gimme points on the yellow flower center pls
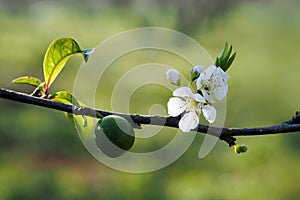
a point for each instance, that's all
(193, 105)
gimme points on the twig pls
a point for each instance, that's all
(226, 134)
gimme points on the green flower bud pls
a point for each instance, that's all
(240, 148)
(195, 72)
(114, 135)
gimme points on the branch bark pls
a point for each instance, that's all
(226, 134)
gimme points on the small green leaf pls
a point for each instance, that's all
(56, 57)
(224, 51)
(67, 98)
(28, 80)
(64, 97)
(83, 123)
(225, 59)
(229, 62)
(226, 56)
(218, 62)
(220, 58)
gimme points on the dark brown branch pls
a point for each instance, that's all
(226, 134)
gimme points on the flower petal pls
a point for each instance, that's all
(224, 75)
(176, 106)
(209, 112)
(208, 72)
(199, 81)
(221, 91)
(173, 76)
(199, 98)
(183, 92)
(189, 121)
(207, 96)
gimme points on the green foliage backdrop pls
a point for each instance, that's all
(42, 157)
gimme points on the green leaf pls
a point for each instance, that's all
(30, 80)
(225, 59)
(82, 123)
(218, 62)
(70, 118)
(67, 98)
(64, 97)
(224, 51)
(226, 56)
(56, 57)
(229, 62)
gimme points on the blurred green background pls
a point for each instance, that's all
(43, 158)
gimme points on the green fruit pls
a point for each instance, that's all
(114, 135)
(240, 149)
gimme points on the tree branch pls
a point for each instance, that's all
(226, 134)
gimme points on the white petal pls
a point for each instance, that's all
(221, 91)
(189, 121)
(173, 76)
(216, 77)
(198, 69)
(224, 75)
(226, 88)
(176, 106)
(207, 96)
(199, 81)
(199, 98)
(183, 92)
(209, 112)
(208, 72)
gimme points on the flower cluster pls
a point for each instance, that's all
(211, 84)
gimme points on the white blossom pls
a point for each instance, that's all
(213, 81)
(173, 76)
(191, 105)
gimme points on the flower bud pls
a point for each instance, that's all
(240, 148)
(173, 76)
(195, 72)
